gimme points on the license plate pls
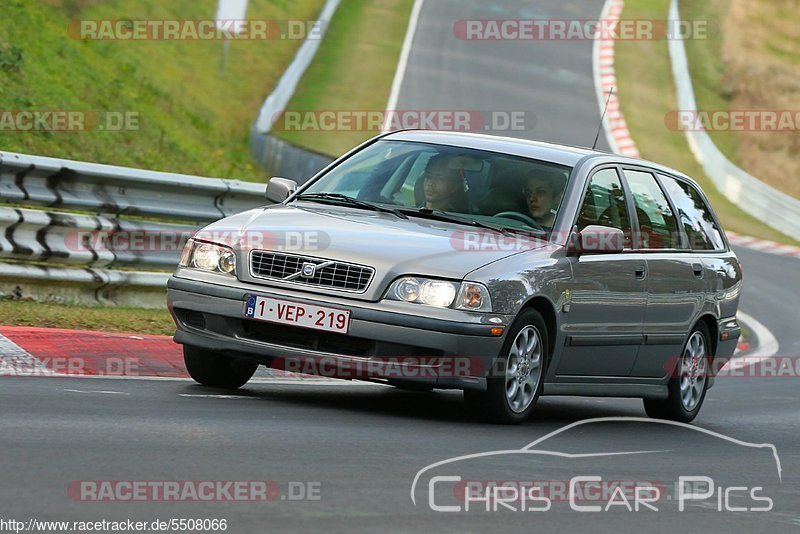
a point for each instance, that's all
(297, 314)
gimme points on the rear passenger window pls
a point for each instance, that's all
(604, 204)
(658, 228)
(694, 215)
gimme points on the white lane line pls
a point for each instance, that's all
(16, 361)
(101, 391)
(767, 347)
(219, 396)
(400, 73)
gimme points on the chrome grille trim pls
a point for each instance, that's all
(329, 274)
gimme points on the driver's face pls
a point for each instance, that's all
(540, 198)
(440, 186)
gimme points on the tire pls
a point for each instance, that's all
(502, 402)
(217, 370)
(687, 388)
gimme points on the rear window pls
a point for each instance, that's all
(658, 228)
(694, 215)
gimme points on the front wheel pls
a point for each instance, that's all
(687, 388)
(217, 370)
(515, 382)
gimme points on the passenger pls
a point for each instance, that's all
(543, 194)
(445, 187)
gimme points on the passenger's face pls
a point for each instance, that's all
(540, 197)
(440, 186)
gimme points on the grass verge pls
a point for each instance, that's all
(647, 94)
(750, 63)
(353, 70)
(192, 118)
(106, 319)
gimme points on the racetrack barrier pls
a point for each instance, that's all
(77, 231)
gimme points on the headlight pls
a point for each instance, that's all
(441, 293)
(208, 257)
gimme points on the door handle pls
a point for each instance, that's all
(698, 270)
(640, 270)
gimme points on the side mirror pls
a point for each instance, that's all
(595, 239)
(279, 189)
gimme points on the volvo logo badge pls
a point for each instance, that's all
(308, 270)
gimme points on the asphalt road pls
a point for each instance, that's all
(551, 81)
(361, 446)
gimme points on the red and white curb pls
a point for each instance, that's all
(53, 352)
(619, 138)
(763, 245)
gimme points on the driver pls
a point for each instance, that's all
(542, 194)
(444, 184)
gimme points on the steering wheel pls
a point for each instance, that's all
(521, 217)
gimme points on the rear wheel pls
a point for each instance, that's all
(515, 382)
(687, 388)
(217, 370)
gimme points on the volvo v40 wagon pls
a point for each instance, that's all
(506, 268)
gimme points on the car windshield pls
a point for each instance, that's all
(429, 180)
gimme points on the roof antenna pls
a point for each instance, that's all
(605, 109)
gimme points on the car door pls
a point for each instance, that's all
(675, 281)
(607, 298)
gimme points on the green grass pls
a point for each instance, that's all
(106, 319)
(751, 63)
(353, 69)
(193, 119)
(647, 94)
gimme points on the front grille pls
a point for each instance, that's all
(326, 273)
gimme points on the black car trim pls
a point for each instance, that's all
(605, 340)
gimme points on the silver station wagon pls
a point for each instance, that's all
(505, 268)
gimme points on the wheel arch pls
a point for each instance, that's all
(547, 310)
(713, 329)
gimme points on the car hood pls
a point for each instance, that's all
(383, 241)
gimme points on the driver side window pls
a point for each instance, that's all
(604, 204)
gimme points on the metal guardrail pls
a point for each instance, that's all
(67, 184)
(52, 245)
(775, 208)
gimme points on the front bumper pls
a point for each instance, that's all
(381, 344)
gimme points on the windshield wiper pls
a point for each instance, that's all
(350, 201)
(440, 215)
